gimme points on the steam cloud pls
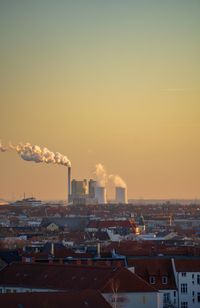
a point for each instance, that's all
(37, 154)
(103, 177)
(117, 180)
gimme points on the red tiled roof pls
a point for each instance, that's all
(83, 299)
(126, 281)
(157, 268)
(65, 277)
(59, 277)
(187, 265)
(147, 248)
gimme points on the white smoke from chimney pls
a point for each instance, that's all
(38, 154)
(117, 180)
(2, 148)
(101, 175)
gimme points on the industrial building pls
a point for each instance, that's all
(121, 194)
(84, 192)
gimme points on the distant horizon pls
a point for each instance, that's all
(109, 200)
(115, 83)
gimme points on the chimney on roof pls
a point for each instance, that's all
(98, 250)
(52, 249)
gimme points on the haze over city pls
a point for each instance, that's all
(110, 82)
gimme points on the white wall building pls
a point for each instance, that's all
(187, 275)
(138, 300)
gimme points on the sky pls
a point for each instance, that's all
(108, 81)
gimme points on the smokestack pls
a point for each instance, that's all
(52, 249)
(98, 250)
(121, 194)
(69, 184)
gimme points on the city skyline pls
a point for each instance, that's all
(102, 82)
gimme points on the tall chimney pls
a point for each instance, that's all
(69, 183)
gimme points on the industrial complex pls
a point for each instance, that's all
(86, 192)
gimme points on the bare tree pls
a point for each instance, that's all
(114, 287)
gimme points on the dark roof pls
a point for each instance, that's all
(69, 277)
(103, 224)
(9, 256)
(2, 264)
(187, 265)
(47, 246)
(157, 268)
(83, 299)
(99, 235)
(72, 223)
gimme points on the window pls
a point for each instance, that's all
(184, 304)
(115, 299)
(164, 280)
(1, 291)
(192, 276)
(152, 279)
(8, 290)
(198, 297)
(166, 298)
(144, 299)
(183, 274)
(198, 279)
(183, 287)
(192, 293)
(174, 301)
(174, 293)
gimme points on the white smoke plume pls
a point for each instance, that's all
(117, 180)
(103, 177)
(38, 154)
(2, 148)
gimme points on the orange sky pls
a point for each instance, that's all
(108, 82)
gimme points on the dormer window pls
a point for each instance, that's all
(164, 280)
(152, 279)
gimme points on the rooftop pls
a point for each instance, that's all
(72, 277)
(83, 299)
(187, 265)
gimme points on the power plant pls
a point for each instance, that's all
(100, 194)
(120, 194)
(91, 192)
(79, 192)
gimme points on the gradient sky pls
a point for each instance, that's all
(110, 81)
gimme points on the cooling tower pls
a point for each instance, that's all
(121, 194)
(100, 194)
